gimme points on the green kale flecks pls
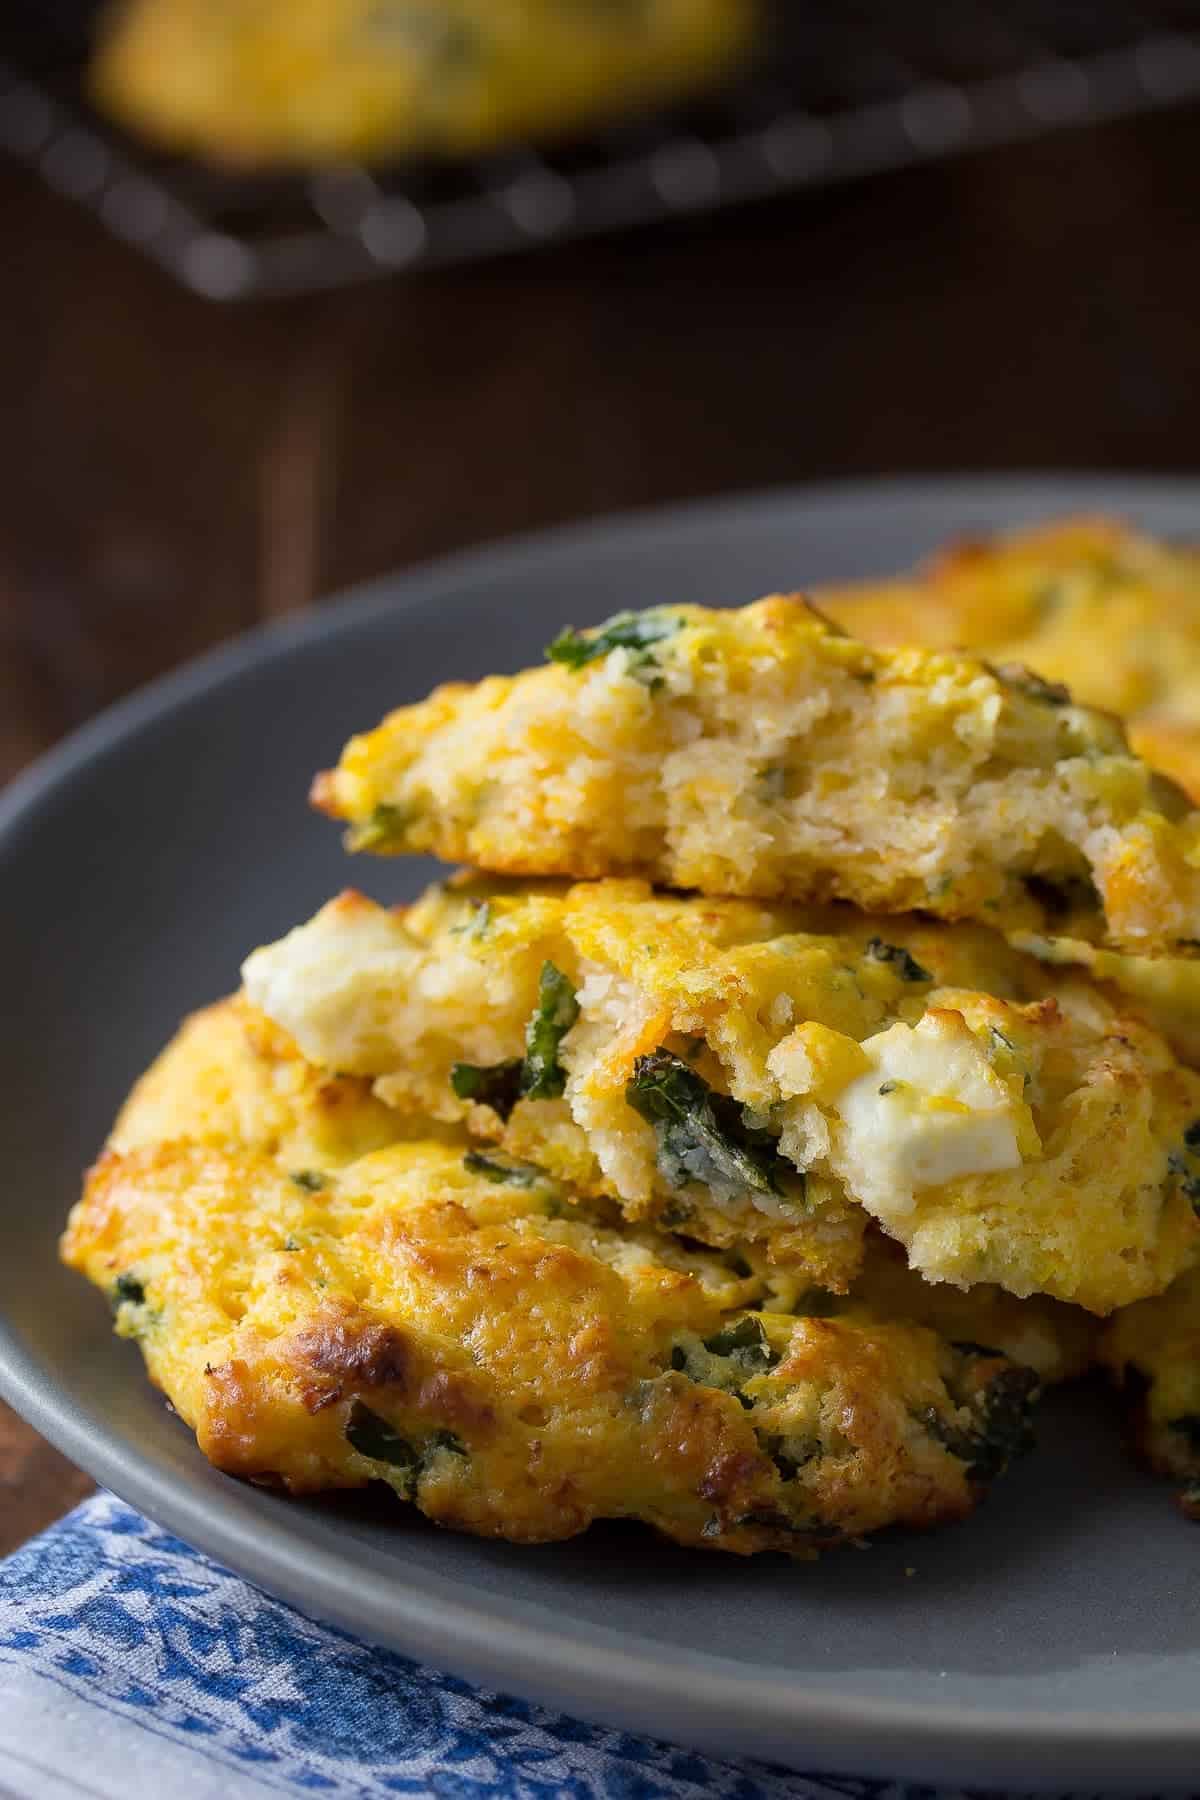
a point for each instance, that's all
(373, 1437)
(497, 1085)
(384, 830)
(906, 965)
(1000, 1425)
(702, 1135)
(311, 1180)
(539, 1074)
(494, 1165)
(635, 631)
(543, 1076)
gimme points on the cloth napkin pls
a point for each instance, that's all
(131, 1665)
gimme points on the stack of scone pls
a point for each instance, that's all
(798, 1084)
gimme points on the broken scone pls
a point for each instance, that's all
(760, 752)
(768, 1076)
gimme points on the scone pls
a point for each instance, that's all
(453, 1324)
(300, 81)
(759, 752)
(770, 1077)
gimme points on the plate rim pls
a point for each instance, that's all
(730, 1704)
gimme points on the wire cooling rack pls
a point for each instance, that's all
(851, 87)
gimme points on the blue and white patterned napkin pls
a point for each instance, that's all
(131, 1665)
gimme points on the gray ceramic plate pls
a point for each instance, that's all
(1052, 1640)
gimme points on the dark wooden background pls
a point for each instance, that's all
(172, 471)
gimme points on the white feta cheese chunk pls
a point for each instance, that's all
(930, 1110)
(332, 984)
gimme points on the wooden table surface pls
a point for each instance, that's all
(171, 471)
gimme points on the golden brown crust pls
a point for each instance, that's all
(521, 1376)
(502, 1354)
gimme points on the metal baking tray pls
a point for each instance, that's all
(851, 87)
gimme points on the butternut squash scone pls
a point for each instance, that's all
(1153, 1350)
(231, 1079)
(769, 1077)
(293, 81)
(1111, 612)
(760, 752)
(429, 1316)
